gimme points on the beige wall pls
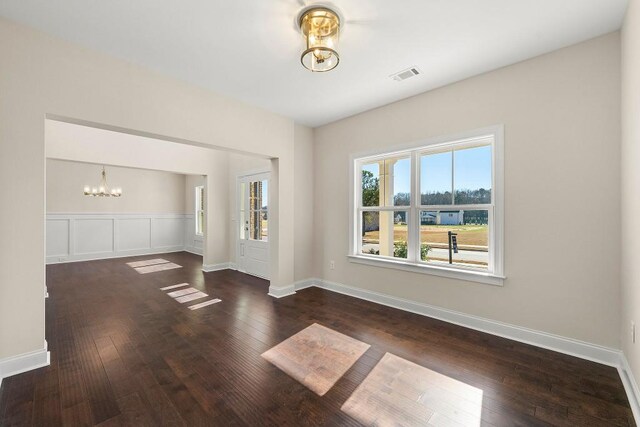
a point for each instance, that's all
(631, 184)
(561, 115)
(306, 265)
(144, 191)
(41, 75)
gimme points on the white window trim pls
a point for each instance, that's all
(199, 194)
(496, 243)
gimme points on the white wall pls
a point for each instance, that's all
(41, 75)
(144, 191)
(630, 178)
(561, 115)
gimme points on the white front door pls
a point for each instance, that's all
(253, 225)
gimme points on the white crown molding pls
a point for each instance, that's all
(14, 365)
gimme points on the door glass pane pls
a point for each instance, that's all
(258, 210)
(435, 179)
(472, 175)
(385, 233)
(470, 229)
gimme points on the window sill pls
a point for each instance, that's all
(471, 276)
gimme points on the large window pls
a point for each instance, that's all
(199, 210)
(435, 208)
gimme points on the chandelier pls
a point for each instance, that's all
(320, 27)
(103, 189)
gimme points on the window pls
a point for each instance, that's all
(199, 210)
(435, 208)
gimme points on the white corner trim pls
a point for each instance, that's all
(570, 346)
(630, 386)
(14, 365)
(282, 291)
(208, 268)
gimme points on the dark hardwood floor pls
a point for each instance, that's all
(124, 353)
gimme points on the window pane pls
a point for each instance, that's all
(385, 233)
(435, 179)
(401, 178)
(387, 182)
(371, 184)
(471, 230)
(473, 175)
(200, 227)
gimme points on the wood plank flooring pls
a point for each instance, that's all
(125, 353)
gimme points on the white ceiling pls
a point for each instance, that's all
(250, 49)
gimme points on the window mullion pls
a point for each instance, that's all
(413, 226)
(453, 174)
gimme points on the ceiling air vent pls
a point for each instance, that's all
(405, 74)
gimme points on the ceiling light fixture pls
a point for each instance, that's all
(103, 189)
(320, 27)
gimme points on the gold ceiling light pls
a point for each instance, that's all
(320, 27)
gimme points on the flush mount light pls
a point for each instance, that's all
(320, 27)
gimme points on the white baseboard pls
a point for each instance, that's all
(208, 268)
(581, 349)
(630, 386)
(282, 291)
(14, 365)
(193, 250)
(110, 255)
(307, 283)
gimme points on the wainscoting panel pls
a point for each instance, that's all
(93, 236)
(79, 237)
(192, 242)
(167, 232)
(134, 233)
(57, 238)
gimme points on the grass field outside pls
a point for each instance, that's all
(437, 235)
